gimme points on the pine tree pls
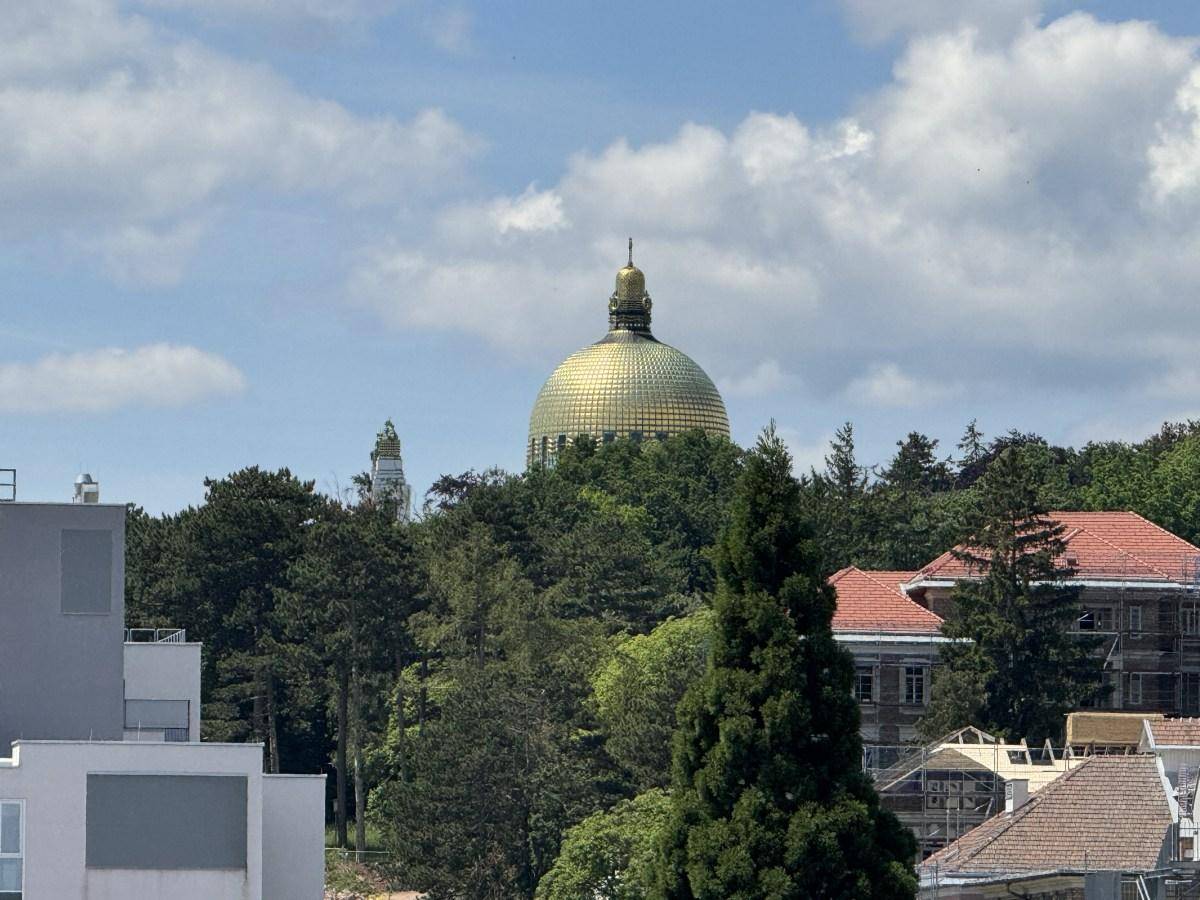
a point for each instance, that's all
(1018, 668)
(769, 799)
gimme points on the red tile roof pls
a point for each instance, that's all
(874, 602)
(1176, 732)
(1105, 545)
(1109, 813)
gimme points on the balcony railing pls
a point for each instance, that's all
(156, 635)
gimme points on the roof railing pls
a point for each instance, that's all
(156, 635)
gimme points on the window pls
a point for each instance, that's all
(1135, 619)
(156, 714)
(1191, 693)
(914, 685)
(635, 436)
(12, 848)
(609, 437)
(562, 442)
(1135, 689)
(1190, 618)
(1096, 619)
(864, 684)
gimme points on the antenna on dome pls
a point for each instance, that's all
(631, 251)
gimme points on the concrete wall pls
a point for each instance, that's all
(60, 673)
(164, 672)
(293, 841)
(51, 778)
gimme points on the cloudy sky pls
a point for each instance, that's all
(248, 231)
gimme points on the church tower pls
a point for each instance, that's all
(387, 473)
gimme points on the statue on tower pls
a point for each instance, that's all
(387, 473)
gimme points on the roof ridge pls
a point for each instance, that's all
(901, 594)
(1128, 553)
(842, 572)
(1158, 527)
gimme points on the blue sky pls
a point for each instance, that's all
(248, 231)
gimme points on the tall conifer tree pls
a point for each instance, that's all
(1017, 668)
(769, 799)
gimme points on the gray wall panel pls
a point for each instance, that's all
(60, 675)
(166, 821)
(86, 570)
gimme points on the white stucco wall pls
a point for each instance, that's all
(164, 672)
(51, 777)
(293, 841)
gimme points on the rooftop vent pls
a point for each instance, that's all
(87, 490)
(8, 486)
(1016, 793)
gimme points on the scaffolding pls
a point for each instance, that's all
(943, 790)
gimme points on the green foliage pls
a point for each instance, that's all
(638, 689)
(532, 633)
(609, 855)
(217, 570)
(1022, 669)
(769, 800)
(495, 782)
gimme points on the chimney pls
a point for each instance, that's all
(87, 490)
(1016, 794)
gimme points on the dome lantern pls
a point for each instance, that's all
(629, 305)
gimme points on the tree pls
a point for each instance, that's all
(217, 570)
(638, 689)
(769, 800)
(971, 446)
(610, 854)
(842, 501)
(908, 510)
(347, 606)
(1015, 668)
(494, 784)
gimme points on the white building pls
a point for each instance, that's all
(107, 791)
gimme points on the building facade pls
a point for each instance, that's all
(107, 791)
(1139, 588)
(895, 643)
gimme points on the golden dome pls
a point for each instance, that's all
(626, 385)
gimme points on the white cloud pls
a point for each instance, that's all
(765, 378)
(807, 454)
(109, 125)
(333, 12)
(451, 28)
(887, 385)
(530, 212)
(878, 20)
(1009, 212)
(103, 380)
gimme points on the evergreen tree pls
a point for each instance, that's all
(908, 510)
(840, 499)
(1018, 667)
(769, 799)
(971, 446)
